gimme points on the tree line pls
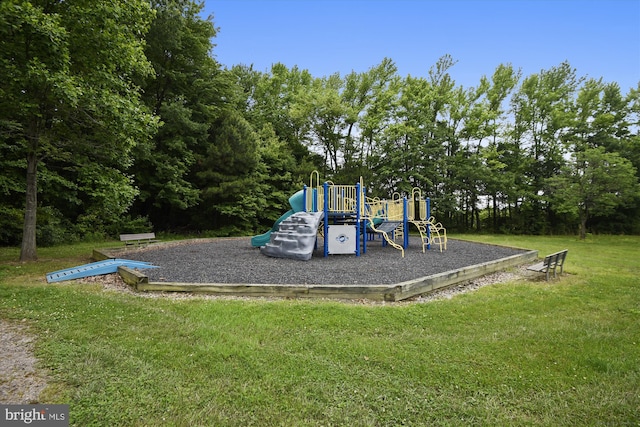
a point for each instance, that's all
(116, 117)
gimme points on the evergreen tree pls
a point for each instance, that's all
(187, 92)
(227, 176)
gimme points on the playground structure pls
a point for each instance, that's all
(349, 220)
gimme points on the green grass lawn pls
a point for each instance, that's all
(566, 352)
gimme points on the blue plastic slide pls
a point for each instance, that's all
(95, 269)
(297, 205)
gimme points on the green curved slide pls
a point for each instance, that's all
(297, 205)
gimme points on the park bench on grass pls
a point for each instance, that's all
(138, 239)
(550, 263)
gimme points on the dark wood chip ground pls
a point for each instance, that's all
(234, 260)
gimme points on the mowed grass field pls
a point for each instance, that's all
(521, 353)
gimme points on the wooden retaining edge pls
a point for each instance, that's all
(132, 277)
(397, 292)
(390, 293)
(428, 284)
(101, 255)
(140, 282)
(370, 292)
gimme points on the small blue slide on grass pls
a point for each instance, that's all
(297, 205)
(95, 269)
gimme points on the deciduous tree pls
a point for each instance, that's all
(69, 106)
(594, 183)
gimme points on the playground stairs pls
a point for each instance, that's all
(295, 237)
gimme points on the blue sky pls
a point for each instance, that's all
(599, 38)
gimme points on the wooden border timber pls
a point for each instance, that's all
(370, 292)
(428, 284)
(132, 277)
(394, 292)
(100, 255)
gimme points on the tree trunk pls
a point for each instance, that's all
(495, 213)
(28, 249)
(583, 228)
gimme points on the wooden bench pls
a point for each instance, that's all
(550, 263)
(138, 239)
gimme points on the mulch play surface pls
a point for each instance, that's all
(234, 260)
